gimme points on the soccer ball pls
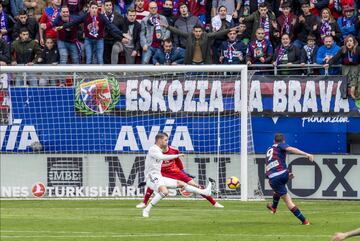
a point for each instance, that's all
(233, 182)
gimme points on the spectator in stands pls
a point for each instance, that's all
(25, 51)
(120, 7)
(94, 30)
(49, 55)
(250, 6)
(243, 34)
(347, 22)
(326, 52)
(232, 7)
(357, 27)
(260, 50)
(131, 41)
(336, 7)
(317, 5)
(233, 51)
(49, 15)
(66, 37)
(159, 3)
(287, 21)
(168, 54)
(109, 41)
(24, 21)
(140, 11)
(16, 6)
(306, 26)
(4, 52)
(198, 9)
(308, 53)
(75, 6)
(287, 54)
(198, 43)
(265, 19)
(5, 25)
(185, 23)
(167, 11)
(152, 33)
(328, 26)
(220, 22)
(35, 8)
(349, 56)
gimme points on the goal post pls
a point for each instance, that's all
(88, 132)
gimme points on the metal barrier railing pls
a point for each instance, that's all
(275, 69)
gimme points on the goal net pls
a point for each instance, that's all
(90, 139)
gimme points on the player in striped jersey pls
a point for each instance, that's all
(278, 174)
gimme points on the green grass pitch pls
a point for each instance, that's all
(97, 220)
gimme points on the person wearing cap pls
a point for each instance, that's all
(308, 53)
(347, 22)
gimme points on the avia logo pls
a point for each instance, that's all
(38, 190)
(9, 136)
(97, 96)
(135, 138)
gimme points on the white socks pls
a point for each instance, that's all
(158, 196)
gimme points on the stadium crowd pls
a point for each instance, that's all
(253, 32)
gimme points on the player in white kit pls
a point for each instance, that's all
(156, 181)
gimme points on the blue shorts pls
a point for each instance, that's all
(278, 183)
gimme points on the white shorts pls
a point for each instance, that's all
(155, 181)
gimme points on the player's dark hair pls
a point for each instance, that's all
(160, 136)
(279, 137)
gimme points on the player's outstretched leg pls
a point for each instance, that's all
(292, 207)
(272, 207)
(163, 192)
(209, 198)
(147, 196)
(189, 188)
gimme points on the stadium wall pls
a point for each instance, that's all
(94, 175)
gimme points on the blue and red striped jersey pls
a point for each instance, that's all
(276, 159)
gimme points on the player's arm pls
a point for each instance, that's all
(342, 236)
(155, 153)
(295, 150)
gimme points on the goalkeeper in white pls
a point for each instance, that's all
(156, 181)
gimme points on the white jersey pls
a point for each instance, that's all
(154, 159)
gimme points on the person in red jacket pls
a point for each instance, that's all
(49, 15)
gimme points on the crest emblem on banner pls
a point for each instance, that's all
(97, 96)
